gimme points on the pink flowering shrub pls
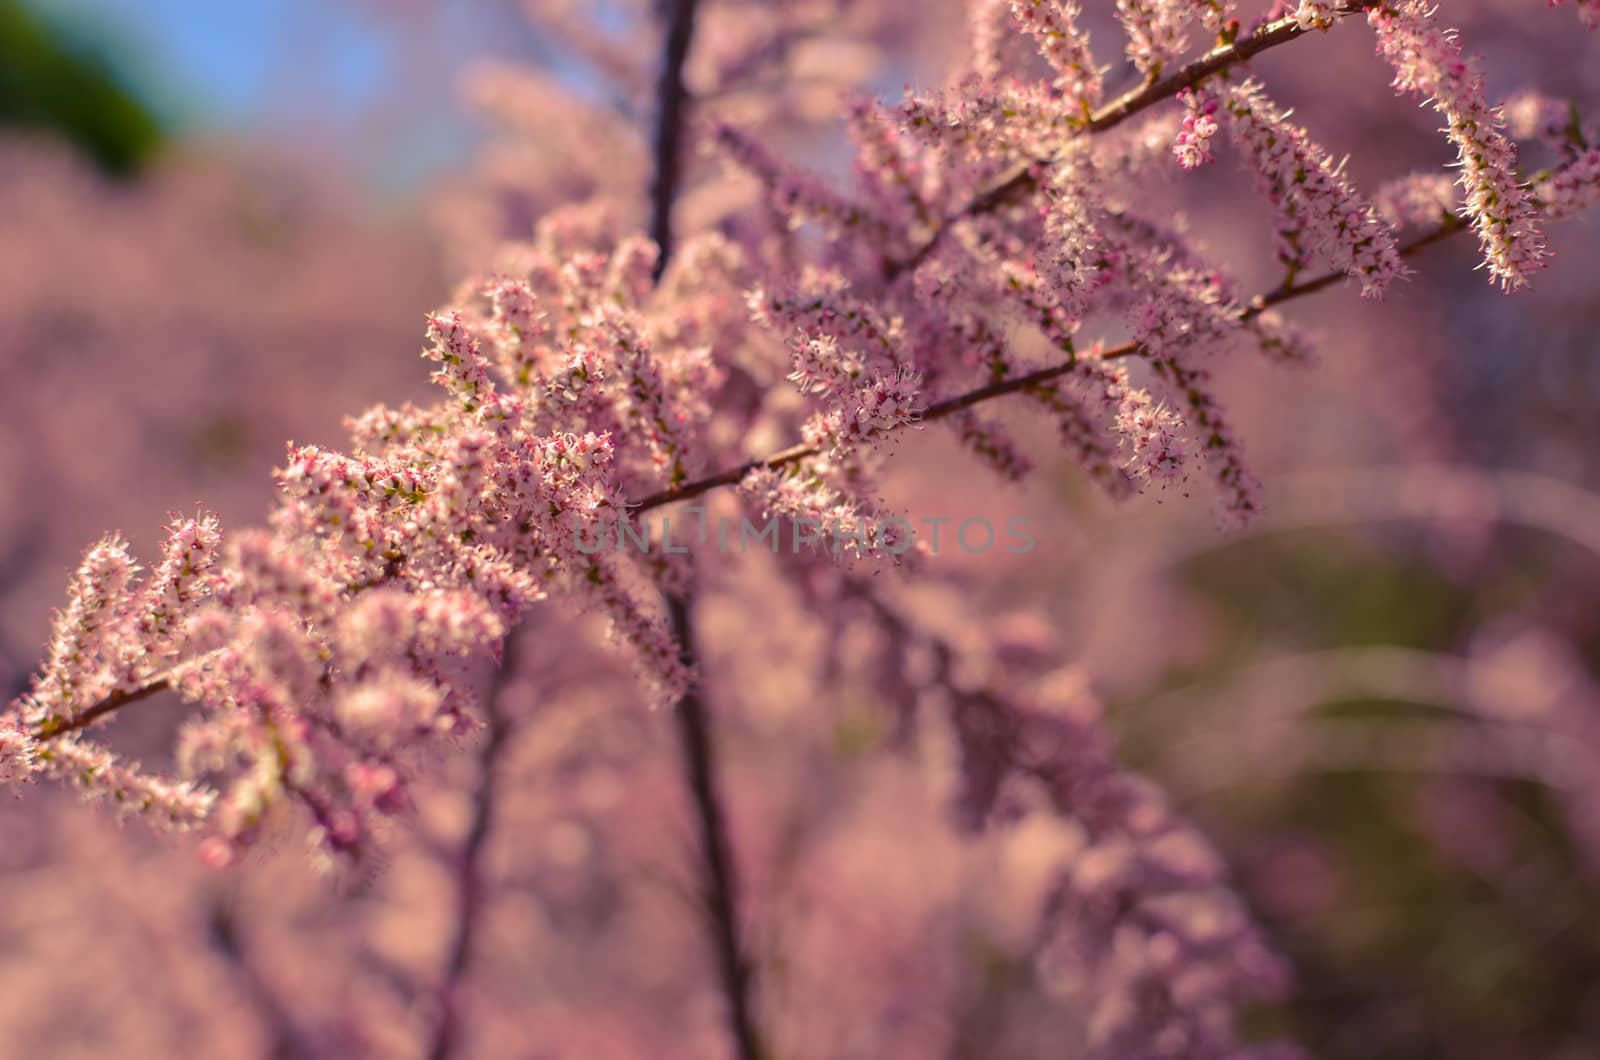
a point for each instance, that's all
(758, 360)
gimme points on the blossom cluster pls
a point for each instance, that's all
(1319, 212)
(1199, 126)
(325, 649)
(1429, 62)
(1055, 27)
(1137, 921)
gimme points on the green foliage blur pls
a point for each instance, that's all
(1422, 957)
(51, 83)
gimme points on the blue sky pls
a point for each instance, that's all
(375, 91)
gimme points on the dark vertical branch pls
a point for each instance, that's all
(473, 855)
(671, 100)
(285, 1041)
(692, 718)
(721, 882)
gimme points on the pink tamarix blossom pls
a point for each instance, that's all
(1429, 63)
(1320, 214)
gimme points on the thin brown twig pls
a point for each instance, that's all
(795, 453)
(54, 726)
